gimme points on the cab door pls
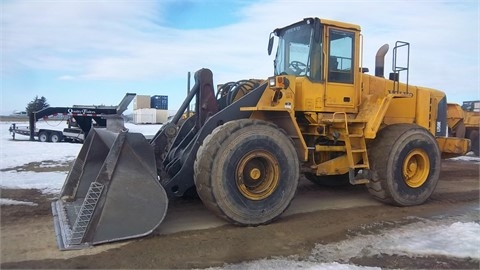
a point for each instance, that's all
(340, 69)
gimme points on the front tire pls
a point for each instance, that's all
(247, 171)
(405, 161)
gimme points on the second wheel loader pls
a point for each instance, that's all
(246, 146)
(464, 122)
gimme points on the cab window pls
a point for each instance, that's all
(340, 60)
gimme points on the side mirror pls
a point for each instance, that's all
(270, 44)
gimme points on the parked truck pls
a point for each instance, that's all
(243, 151)
(80, 120)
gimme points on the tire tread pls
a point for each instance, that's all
(204, 162)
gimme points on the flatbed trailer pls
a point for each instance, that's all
(49, 135)
(83, 115)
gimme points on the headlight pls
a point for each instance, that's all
(278, 82)
(272, 81)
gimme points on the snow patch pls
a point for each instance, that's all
(459, 239)
(423, 238)
(14, 202)
(21, 152)
(468, 157)
(47, 182)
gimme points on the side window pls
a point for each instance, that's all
(340, 57)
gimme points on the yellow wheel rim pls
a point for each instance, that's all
(416, 167)
(257, 175)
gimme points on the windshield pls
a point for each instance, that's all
(293, 50)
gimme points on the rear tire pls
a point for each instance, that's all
(405, 161)
(247, 171)
(55, 137)
(43, 136)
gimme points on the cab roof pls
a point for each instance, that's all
(339, 24)
(322, 21)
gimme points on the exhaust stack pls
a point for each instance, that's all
(380, 61)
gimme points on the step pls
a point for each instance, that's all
(359, 181)
(342, 120)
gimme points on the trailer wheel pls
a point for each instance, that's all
(55, 137)
(474, 142)
(329, 180)
(43, 136)
(405, 160)
(247, 171)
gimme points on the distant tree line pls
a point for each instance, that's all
(37, 104)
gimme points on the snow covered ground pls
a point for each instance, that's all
(456, 237)
(20, 152)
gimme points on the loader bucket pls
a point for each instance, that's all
(111, 193)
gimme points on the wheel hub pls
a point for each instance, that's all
(257, 175)
(416, 168)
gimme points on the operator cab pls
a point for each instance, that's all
(324, 52)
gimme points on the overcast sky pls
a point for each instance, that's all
(93, 52)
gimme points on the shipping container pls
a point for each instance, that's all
(145, 116)
(159, 102)
(162, 116)
(141, 102)
(150, 116)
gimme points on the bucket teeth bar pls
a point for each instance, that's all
(74, 236)
(111, 193)
(86, 212)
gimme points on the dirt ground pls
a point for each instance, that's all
(28, 240)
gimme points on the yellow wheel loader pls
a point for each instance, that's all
(464, 122)
(245, 147)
